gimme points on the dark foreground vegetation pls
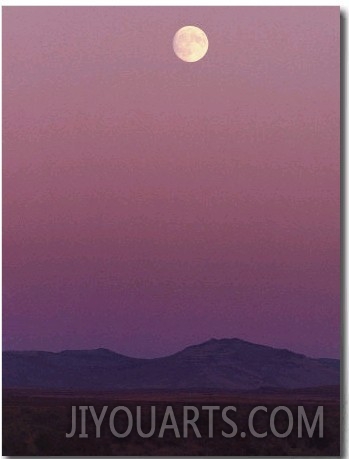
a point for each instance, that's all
(35, 423)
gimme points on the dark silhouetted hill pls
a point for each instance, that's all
(225, 364)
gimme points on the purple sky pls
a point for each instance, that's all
(149, 203)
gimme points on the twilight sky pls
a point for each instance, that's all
(149, 203)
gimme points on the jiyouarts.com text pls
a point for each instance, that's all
(148, 421)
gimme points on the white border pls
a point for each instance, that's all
(167, 3)
(344, 127)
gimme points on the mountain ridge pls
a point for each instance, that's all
(228, 363)
(204, 343)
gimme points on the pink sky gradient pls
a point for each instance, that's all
(149, 203)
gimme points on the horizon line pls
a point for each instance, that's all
(171, 354)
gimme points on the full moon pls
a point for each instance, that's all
(190, 43)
